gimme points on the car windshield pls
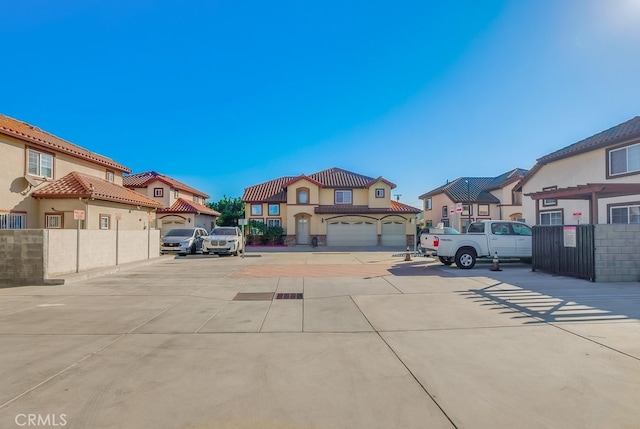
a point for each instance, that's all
(180, 232)
(223, 231)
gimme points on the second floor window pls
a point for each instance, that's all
(343, 196)
(256, 209)
(624, 160)
(158, 192)
(40, 164)
(302, 196)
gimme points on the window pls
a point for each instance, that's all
(520, 229)
(40, 164)
(110, 176)
(158, 192)
(427, 204)
(302, 196)
(379, 192)
(445, 222)
(465, 210)
(624, 160)
(196, 199)
(256, 209)
(105, 221)
(483, 209)
(549, 201)
(624, 214)
(465, 224)
(176, 194)
(53, 221)
(343, 196)
(500, 229)
(445, 211)
(13, 220)
(274, 210)
(551, 218)
(273, 223)
(256, 230)
(476, 227)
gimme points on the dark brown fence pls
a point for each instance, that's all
(566, 250)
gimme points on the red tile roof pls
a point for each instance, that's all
(275, 190)
(37, 137)
(79, 185)
(143, 180)
(396, 207)
(272, 191)
(184, 206)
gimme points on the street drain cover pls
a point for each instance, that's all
(254, 296)
(289, 296)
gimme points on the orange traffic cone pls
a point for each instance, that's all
(407, 257)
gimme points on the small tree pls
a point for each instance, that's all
(273, 235)
(231, 209)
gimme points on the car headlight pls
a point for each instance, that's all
(232, 241)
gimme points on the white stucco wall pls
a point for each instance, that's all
(580, 169)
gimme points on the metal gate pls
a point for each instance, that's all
(566, 250)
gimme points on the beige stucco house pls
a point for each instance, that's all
(467, 199)
(182, 205)
(47, 179)
(596, 180)
(333, 207)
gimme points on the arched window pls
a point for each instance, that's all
(302, 196)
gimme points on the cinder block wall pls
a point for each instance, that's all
(22, 257)
(617, 254)
(30, 256)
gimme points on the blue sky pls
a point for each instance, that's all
(225, 95)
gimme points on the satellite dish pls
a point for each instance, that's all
(31, 181)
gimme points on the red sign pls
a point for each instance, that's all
(577, 214)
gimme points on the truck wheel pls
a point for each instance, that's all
(446, 261)
(466, 258)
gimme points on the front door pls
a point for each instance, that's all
(302, 231)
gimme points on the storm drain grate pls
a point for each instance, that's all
(254, 296)
(289, 296)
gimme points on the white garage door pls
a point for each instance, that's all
(393, 234)
(352, 234)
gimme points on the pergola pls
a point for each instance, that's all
(591, 192)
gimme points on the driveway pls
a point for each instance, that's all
(320, 340)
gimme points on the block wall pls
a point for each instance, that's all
(617, 253)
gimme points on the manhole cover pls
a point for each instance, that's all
(289, 296)
(254, 296)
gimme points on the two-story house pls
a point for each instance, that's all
(332, 207)
(467, 199)
(47, 179)
(182, 205)
(595, 181)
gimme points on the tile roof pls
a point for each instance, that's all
(339, 178)
(625, 131)
(618, 134)
(37, 137)
(142, 180)
(183, 206)
(80, 185)
(272, 191)
(476, 189)
(275, 190)
(396, 207)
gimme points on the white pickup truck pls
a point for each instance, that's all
(508, 239)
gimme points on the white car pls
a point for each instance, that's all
(224, 240)
(182, 240)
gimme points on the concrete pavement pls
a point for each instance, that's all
(375, 342)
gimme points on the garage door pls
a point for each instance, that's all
(393, 234)
(352, 234)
